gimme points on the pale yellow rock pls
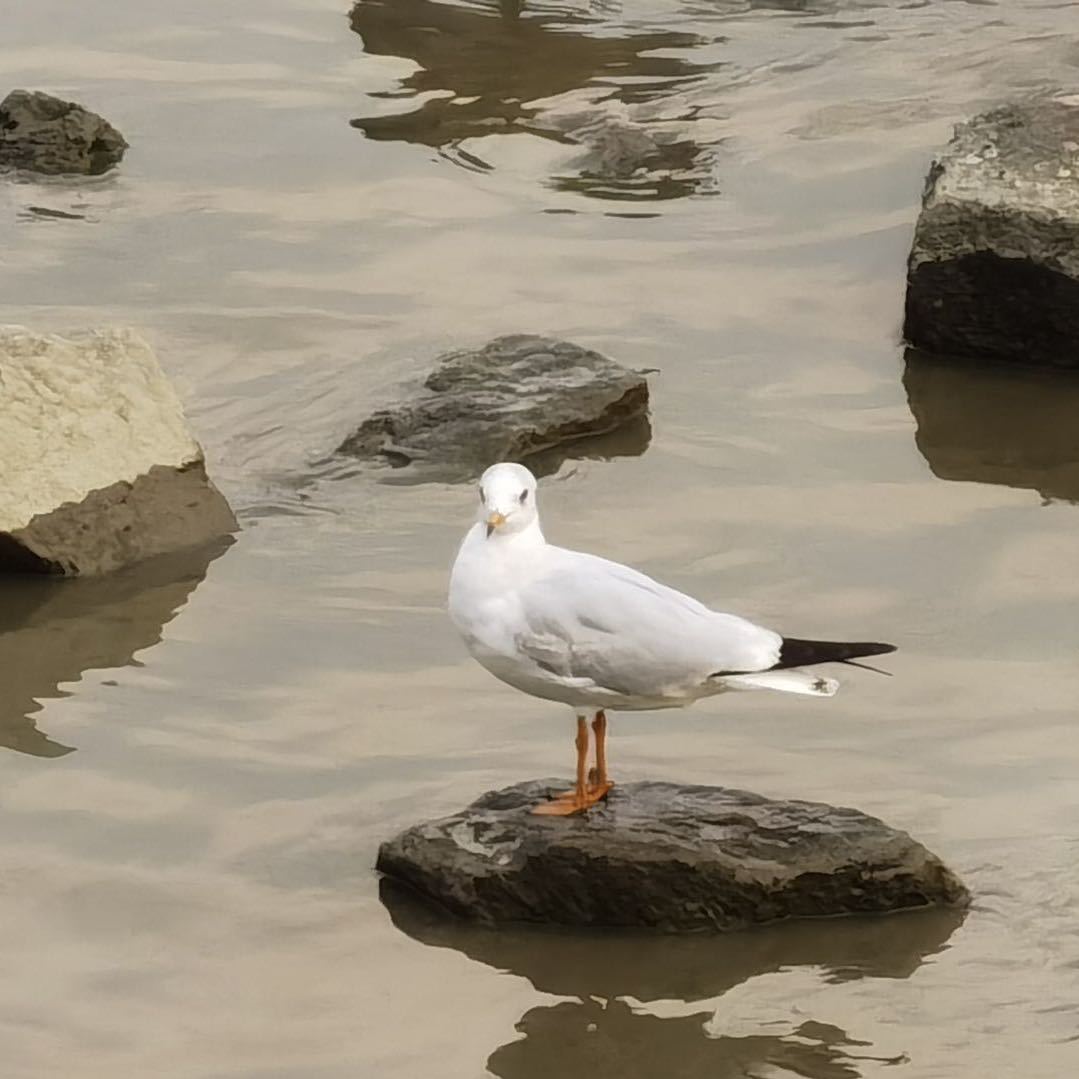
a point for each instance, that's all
(78, 415)
(99, 467)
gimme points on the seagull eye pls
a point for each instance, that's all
(523, 497)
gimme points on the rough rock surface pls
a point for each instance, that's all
(100, 468)
(994, 270)
(42, 133)
(664, 856)
(516, 397)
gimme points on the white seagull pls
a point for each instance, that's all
(570, 627)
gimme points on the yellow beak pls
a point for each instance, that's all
(494, 520)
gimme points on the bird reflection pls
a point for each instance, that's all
(996, 425)
(53, 630)
(489, 68)
(603, 1033)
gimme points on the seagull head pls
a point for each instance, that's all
(507, 498)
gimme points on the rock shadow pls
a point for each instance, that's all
(604, 1033)
(53, 630)
(493, 67)
(629, 440)
(1015, 427)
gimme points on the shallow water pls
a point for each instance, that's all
(205, 754)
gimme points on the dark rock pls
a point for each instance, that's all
(651, 966)
(664, 856)
(624, 158)
(42, 133)
(1003, 425)
(102, 470)
(994, 270)
(511, 400)
(165, 509)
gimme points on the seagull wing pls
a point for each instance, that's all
(585, 618)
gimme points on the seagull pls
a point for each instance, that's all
(574, 628)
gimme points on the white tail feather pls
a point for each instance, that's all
(786, 681)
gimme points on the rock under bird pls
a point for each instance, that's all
(574, 628)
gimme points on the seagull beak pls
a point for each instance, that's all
(494, 520)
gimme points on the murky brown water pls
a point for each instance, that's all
(312, 208)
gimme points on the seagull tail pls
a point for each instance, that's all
(809, 685)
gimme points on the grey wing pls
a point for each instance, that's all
(590, 619)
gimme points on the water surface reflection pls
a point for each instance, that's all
(610, 1029)
(493, 68)
(53, 630)
(996, 425)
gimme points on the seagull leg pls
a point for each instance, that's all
(600, 784)
(582, 796)
(575, 793)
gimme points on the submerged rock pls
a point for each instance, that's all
(42, 133)
(994, 270)
(100, 468)
(513, 399)
(664, 856)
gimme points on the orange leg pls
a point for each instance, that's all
(601, 783)
(583, 795)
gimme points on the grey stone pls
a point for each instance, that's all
(994, 269)
(664, 856)
(692, 966)
(43, 133)
(629, 159)
(515, 399)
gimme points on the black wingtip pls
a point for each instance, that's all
(795, 652)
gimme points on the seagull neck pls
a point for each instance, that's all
(529, 537)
